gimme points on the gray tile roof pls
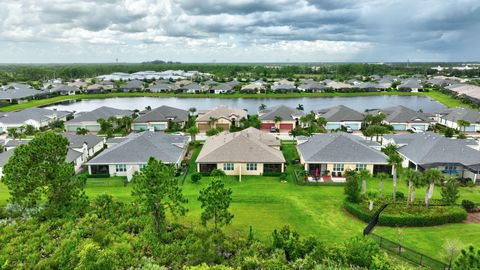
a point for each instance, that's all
(18, 91)
(238, 147)
(341, 148)
(340, 113)
(221, 112)
(139, 147)
(285, 112)
(77, 141)
(312, 86)
(135, 84)
(72, 155)
(163, 114)
(37, 114)
(430, 148)
(102, 112)
(62, 88)
(460, 113)
(228, 86)
(16, 142)
(401, 114)
(410, 83)
(284, 86)
(161, 87)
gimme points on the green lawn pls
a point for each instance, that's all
(443, 98)
(265, 204)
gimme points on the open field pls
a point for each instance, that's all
(442, 98)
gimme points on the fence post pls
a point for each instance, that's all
(421, 258)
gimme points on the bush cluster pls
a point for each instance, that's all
(416, 216)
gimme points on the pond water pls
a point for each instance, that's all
(360, 103)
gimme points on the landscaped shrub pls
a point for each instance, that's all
(399, 195)
(361, 250)
(100, 175)
(276, 174)
(217, 173)
(468, 205)
(352, 190)
(195, 178)
(416, 215)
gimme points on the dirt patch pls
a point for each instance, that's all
(473, 218)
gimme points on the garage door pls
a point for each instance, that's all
(203, 126)
(470, 128)
(225, 127)
(267, 126)
(159, 127)
(419, 127)
(286, 126)
(353, 125)
(332, 126)
(399, 126)
(139, 127)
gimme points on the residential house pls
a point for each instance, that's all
(369, 86)
(247, 152)
(341, 116)
(403, 118)
(64, 90)
(338, 86)
(224, 88)
(18, 93)
(467, 91)
(36, 117)
(312, 87)
(82, 147)
(410, 85)
(287, 118)
(284, 88)
(333, 154)
(422, 151)
(130, 86)
(107, 85)
(191, 88)
(95, 89)
(219, 117)
(254, 87)
(160, 119)
(450, 117)
(161, 88)
(132, 154)
(88, 120)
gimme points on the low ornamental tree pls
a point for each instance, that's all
(215, 201)
(156, 189)
(38, 170)
(468, 259)
(195, 178)
(450, 191)
(352, 189)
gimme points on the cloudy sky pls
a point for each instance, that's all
(54, 31)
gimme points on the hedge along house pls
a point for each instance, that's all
(421, 151)
(131, 154)
(281, 117)
(88, 120)
(332, 154)
(247, 152)
(339, 116)
(403, 118)
(219, 117)
(160, 119)
(450, 117)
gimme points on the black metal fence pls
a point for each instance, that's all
(409, 254)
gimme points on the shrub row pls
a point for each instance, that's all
(450, 214)
(100, 175)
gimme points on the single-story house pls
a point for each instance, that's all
(339, 86)
(223, 88)
(191, 88)
(283, 88)
(369, 86)
(161, 88)
(403, 118)
(450, 117)
(18, 93)
(421, 151)
(339, 116)
(312, 87)
(36, 117)
(221, 116)
(332, 154)
(290, 118)
(132, 154)
(410, 85)
(254, 87)
(133, 85)
(159, 119)
(88, 120)
(467, 91)
(64, 90)
(247, 152)
(95, 89)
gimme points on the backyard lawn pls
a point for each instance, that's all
(265, 204)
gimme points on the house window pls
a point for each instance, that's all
(338, 167)
(228, 166)
(360, 167)
(121, 168)
(251, 166)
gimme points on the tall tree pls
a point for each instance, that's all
(450, 190)
(215, 201)
(431, 177)
(395, 160)
(364, 175)
(276, 120)
(381, 176)
(262, 107)
(193, 131)
(300, 107)
(413, 177)
(463, 124)
(82, 131)
(38, 170)
(156, 189)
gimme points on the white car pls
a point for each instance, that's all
(415, 130)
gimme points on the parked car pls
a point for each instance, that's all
(415, 130)
(273, 130)
(349, 129)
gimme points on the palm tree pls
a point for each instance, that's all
(381, 176)
(211, 121)
(262, 107)
(192, 110)
(12, 132)
(463, 124)
(82, 131)
(277, 119)
(413, 178)
(364, 175)
(431, 177)
(395, 160)
(300, 107)
(193, 131)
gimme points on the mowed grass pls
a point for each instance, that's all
(267, 204)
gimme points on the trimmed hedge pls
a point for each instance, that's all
(448, 214)
(100, 175)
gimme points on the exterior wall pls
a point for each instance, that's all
(334, 125)
(349, 167)
(406, 126)
(241, 169)
(91, 126)
(473, 127)
(151, 126)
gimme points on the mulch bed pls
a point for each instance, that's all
(473, 218)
